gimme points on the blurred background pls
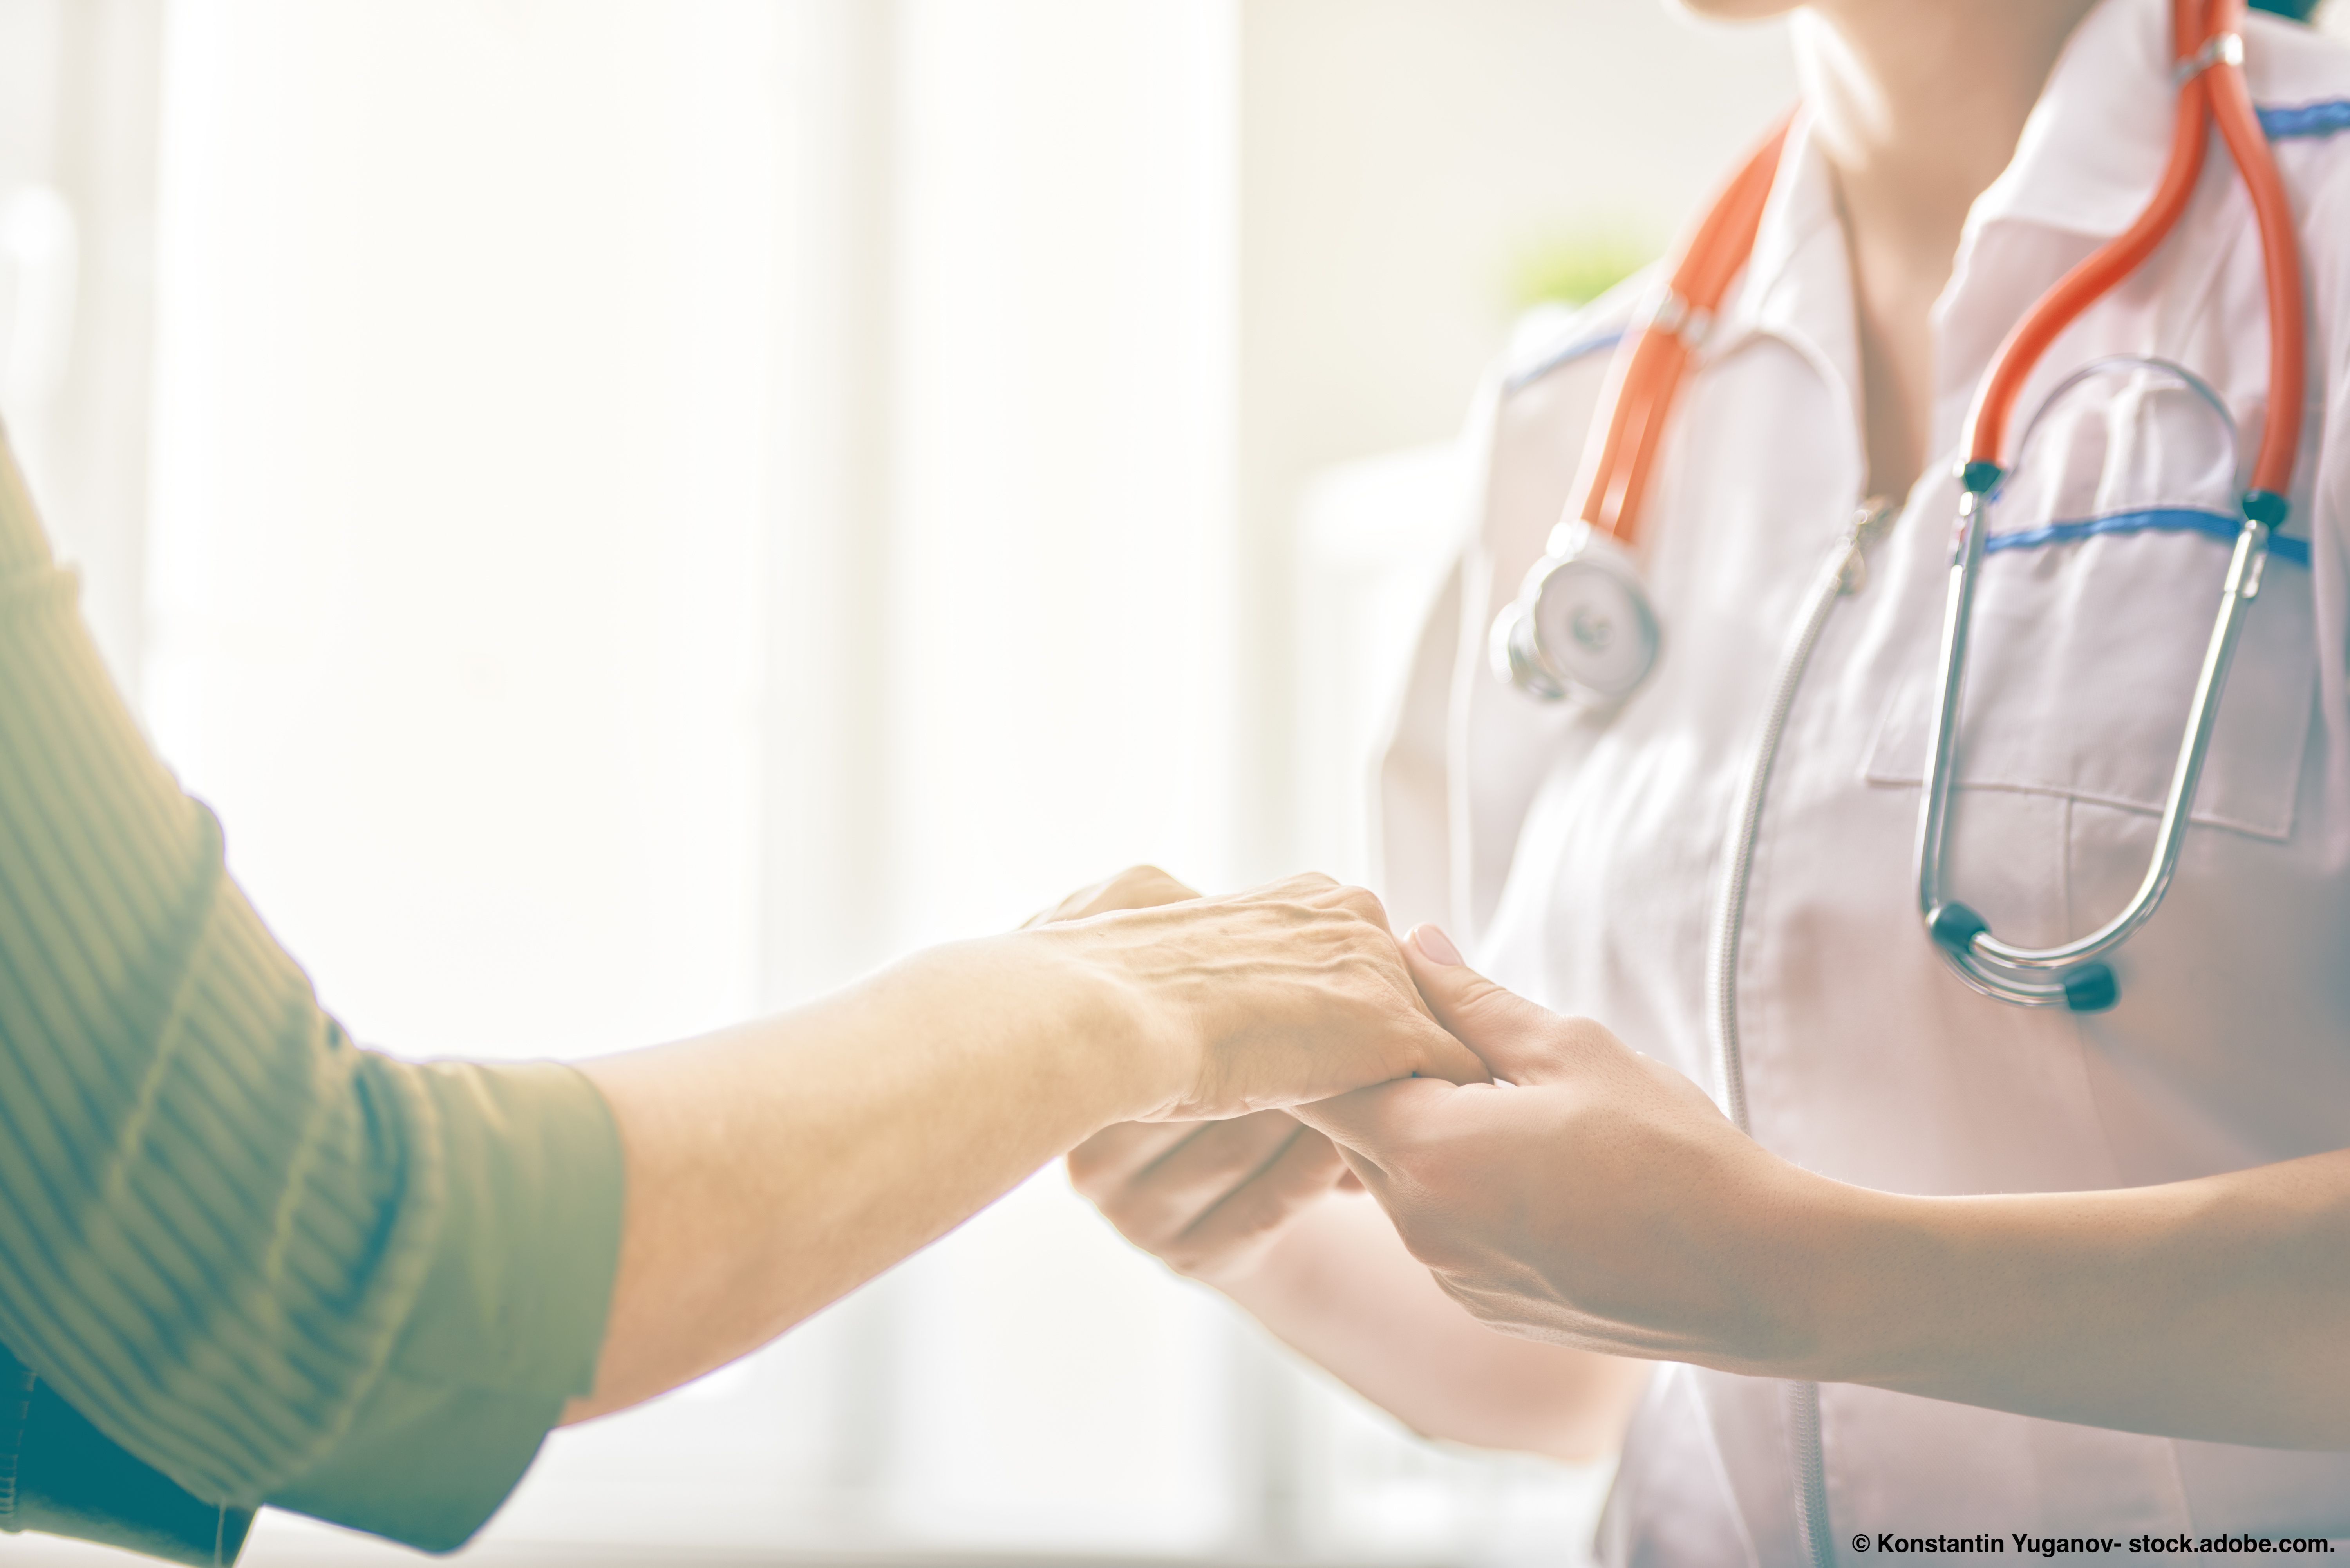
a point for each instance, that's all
(635, 513)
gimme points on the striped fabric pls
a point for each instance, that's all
(273, 1266)
(2216, 525)
(2322, 118)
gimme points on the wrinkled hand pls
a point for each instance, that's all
(1206, 1198)
(1284, 993)
(1136, 887)
(1594, 1197)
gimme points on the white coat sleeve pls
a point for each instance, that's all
(1465, 751)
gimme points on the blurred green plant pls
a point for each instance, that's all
(1576, 266)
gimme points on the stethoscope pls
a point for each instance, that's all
(1583, 629)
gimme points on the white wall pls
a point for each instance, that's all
(574, 424)
(461, 512)
(77, 159)
(460, 479)
(1064, 534)
(1059, 656)
(1400, 159)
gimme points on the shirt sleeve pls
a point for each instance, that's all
(274, 1267)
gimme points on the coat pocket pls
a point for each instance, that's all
(2086, 649)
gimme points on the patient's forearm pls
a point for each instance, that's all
(775, 1166)
(1339, 1287)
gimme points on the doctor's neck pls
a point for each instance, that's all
(1918, 106)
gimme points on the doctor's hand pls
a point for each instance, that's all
(1594, 1198)
(1209, 1198)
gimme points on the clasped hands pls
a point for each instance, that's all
(1556, 1183)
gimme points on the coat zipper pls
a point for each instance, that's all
(1844, 573)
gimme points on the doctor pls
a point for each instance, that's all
(1972, 1268)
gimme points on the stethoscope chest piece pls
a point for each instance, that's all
(1582, 628)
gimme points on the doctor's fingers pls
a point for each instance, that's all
(1520, 1040)
(1155, 1204)
(1431, 1168)
(1389, 1127)
(1233, 1234)
(1172, 1156)
(1106, 1160)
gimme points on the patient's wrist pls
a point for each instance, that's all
(1112, 1039)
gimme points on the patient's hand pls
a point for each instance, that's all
(1136, 887)
(1206, 1198)
(1276, 996)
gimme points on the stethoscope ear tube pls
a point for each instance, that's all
(1582, 628)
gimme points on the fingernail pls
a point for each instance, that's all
(1435, 945)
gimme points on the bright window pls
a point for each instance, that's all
(651, 510)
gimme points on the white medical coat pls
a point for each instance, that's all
(1582, 854)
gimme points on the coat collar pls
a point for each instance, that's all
(2090, 156)
(2093, 150)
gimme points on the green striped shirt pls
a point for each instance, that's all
(272, 1266)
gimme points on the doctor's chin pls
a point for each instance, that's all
(1174, 783)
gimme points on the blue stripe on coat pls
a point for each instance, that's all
(2322, 118)
(2218, 526)
(1577, 349)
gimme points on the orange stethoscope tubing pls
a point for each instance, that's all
(2074, 974)
(1646, 372)
(2212, 51)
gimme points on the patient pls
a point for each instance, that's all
(244, 1261)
